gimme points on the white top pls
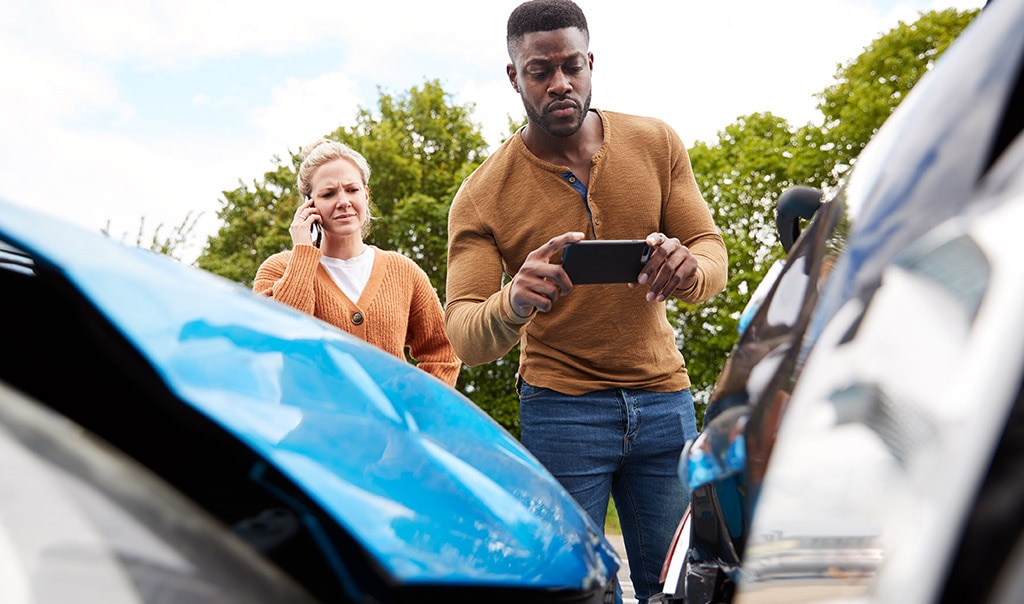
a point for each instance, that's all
(351, 275)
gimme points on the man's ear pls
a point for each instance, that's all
(513, 77)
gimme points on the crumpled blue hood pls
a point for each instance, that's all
(419, 475)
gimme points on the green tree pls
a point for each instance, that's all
(868, 88)
(741, 176)
(255, 224)
(420, 147)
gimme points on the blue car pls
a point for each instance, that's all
(865, 440)
(166, 435)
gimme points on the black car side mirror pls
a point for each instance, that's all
(795, 203)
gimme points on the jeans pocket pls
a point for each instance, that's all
(528, 392)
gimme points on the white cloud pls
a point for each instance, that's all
(303, 110)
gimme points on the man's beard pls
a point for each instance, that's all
(560, 131)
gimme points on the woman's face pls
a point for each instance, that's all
(340, 197)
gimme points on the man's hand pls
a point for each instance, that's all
(670, 267)
(539, 283)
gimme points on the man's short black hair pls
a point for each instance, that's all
(544, 15)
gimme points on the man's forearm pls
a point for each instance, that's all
(483, 331)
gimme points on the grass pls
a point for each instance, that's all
(611, 522)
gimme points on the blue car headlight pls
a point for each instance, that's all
(719, 452)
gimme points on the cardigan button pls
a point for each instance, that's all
(357, 318)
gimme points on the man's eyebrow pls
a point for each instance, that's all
(540, 61)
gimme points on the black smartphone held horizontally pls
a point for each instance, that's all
(605, 260)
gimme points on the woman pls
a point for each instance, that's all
(380, 296)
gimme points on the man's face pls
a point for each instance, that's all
(552, 72)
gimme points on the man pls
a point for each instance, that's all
(604, 394)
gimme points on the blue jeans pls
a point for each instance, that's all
(620, 443)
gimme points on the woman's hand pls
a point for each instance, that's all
(301, 228)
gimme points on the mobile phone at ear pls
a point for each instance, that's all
(605, 260)
(317, 232)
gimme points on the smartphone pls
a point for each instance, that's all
(317, 232)
(605, 260)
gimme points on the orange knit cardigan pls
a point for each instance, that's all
(397, 310)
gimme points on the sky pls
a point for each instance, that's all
(118, 114)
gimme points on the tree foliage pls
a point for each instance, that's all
(255, 224)
(740, 177)
(420, 147)
(868, 88)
